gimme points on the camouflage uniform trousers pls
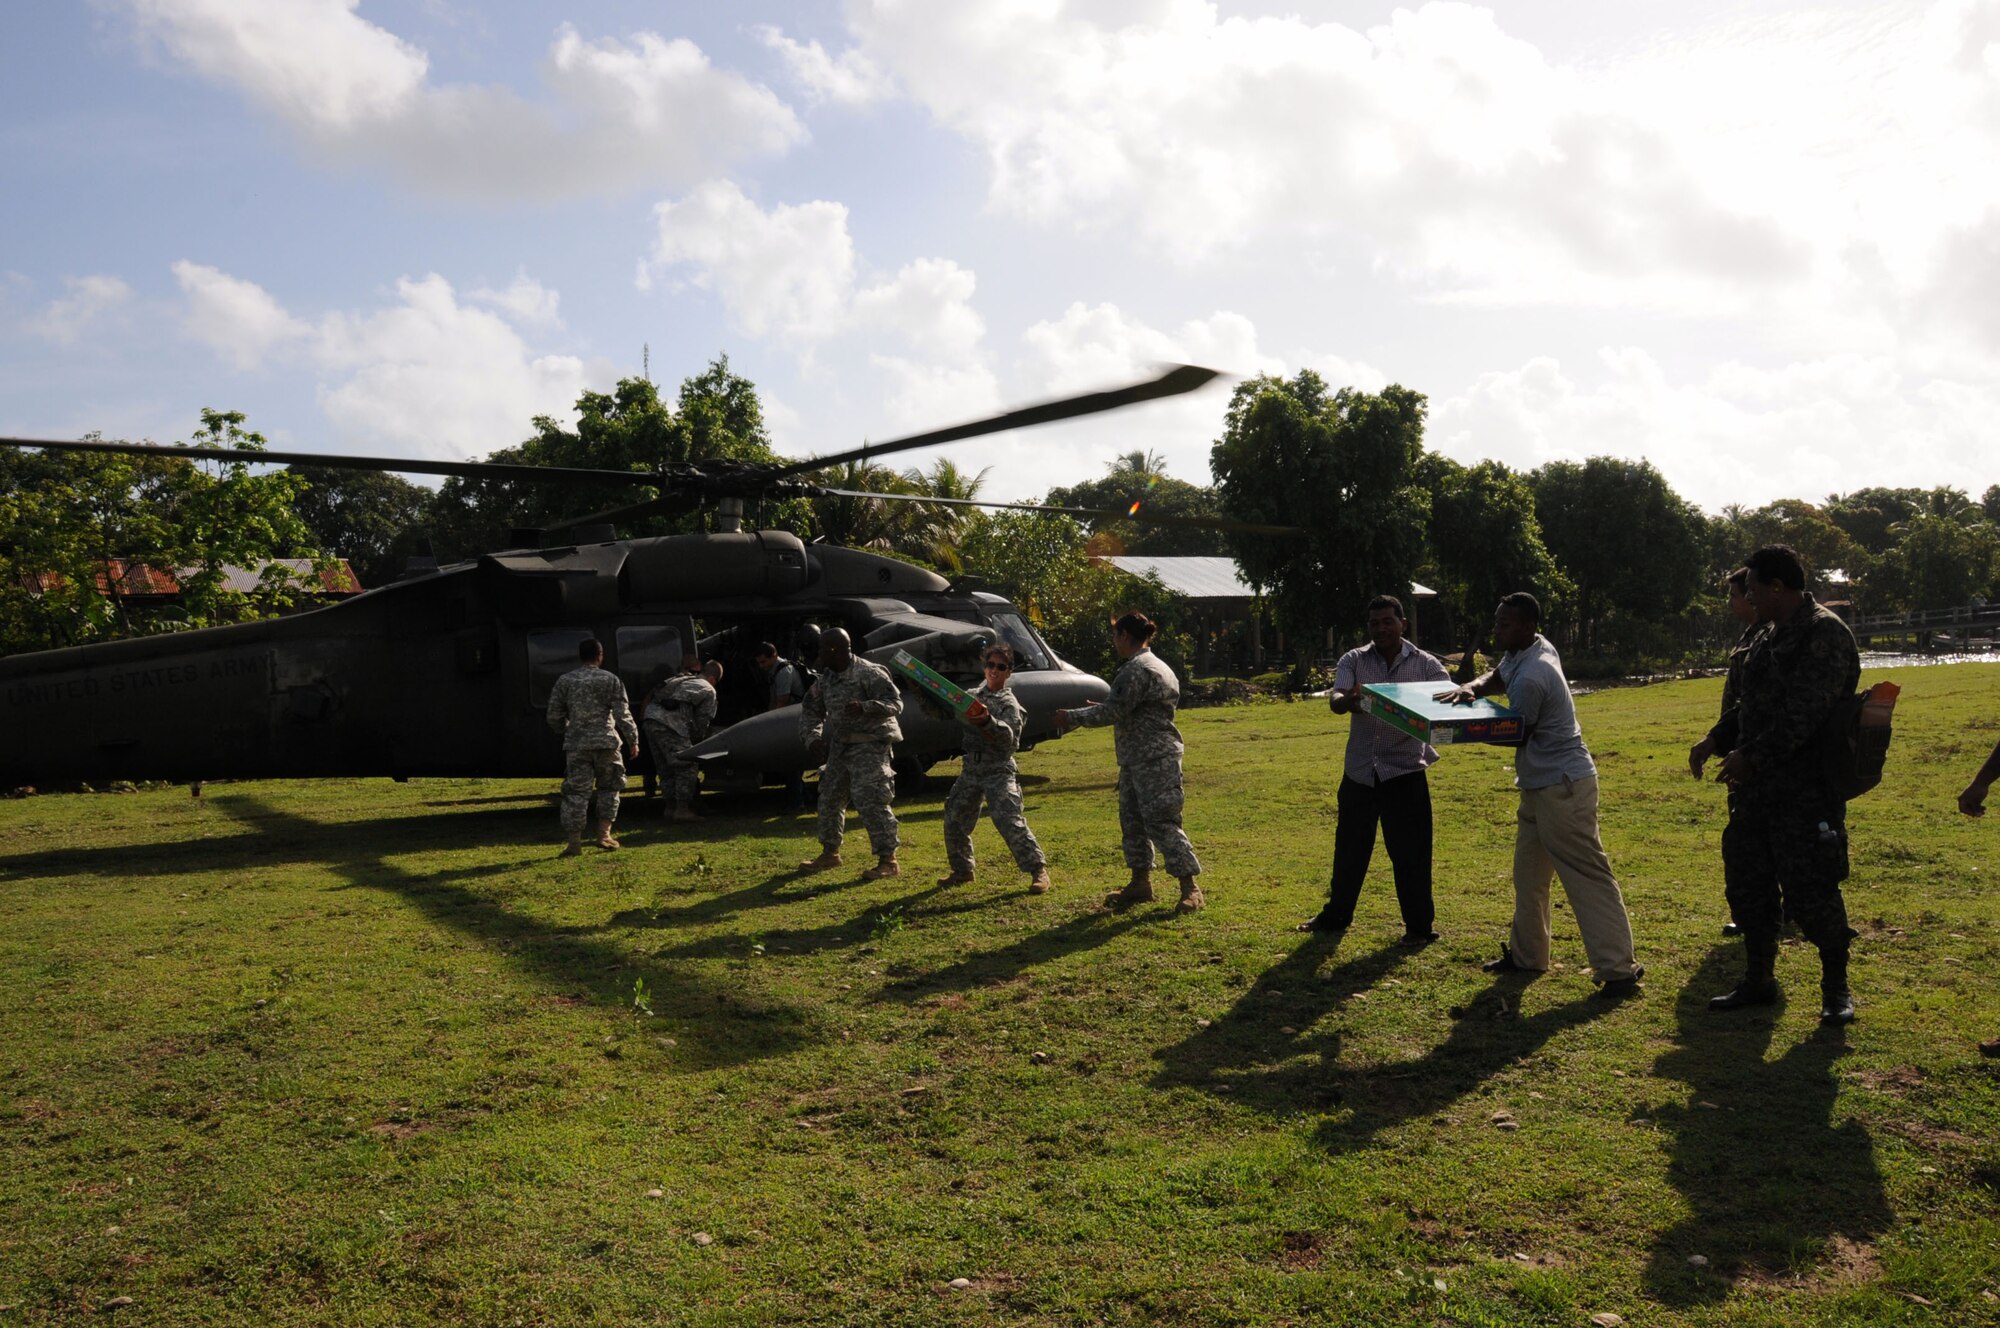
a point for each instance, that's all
(1777, 862)
(1149, 813)
(995, 785)
(683, 781)
(858, 772)
(599, 766)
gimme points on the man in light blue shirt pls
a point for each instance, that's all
(1555, 831)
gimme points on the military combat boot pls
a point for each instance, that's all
(1138, 890)
(883, 869)
(1191, 896)
(573, 849)
(955, 877)
(826, 861)
(683, 812)
(1758, 987)
(1039, 883)
(1836, 1002)
(604, 839)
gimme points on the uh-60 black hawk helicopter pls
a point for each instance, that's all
(448, 673)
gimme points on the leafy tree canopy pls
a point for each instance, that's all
(1486, 542)
(71, 522)
(1634, 548)
(1141, 477)
(1344, 469)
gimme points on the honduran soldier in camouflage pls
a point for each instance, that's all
(1144, 695)
(588, 707)
(676, 716)
(848, 720)
(989, 775)
(1736, 586)
(1786, 844)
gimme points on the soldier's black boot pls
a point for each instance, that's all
(1759, 985)
(1836, 1002)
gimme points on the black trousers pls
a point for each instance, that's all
(1402, 806)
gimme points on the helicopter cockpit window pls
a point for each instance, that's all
(645, 653)
(1015, 631)
(550, 655)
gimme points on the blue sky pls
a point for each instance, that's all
(1755, 243)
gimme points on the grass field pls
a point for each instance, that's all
(367, 1053)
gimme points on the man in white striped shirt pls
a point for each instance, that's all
(1383, 782)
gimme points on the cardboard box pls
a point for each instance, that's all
(1407, 707)
(936, 684)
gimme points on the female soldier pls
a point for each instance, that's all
(992, 731)
(1141, 711)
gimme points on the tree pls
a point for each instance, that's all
(1867, 514)
(74, 527)
(1344, 470)
(1140, 477)
(1989, 503)
(1937, 563)
(1038, 560)
(717, 418)
(933, 531)
(1636, 551)
(1809, 530)
(1485, 543)
(372, 519)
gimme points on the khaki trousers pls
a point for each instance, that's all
(1555, 833)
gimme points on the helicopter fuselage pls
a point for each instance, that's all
(448, 674)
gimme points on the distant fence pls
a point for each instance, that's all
(1957, 625)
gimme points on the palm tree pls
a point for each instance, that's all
(933, 532)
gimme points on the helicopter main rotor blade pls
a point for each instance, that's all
(1176, 380)
(405, 465)
(1094, 513)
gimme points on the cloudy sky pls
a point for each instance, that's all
(1757, 243)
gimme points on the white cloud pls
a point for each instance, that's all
(237, 318)
(617, 114)
(849, 79)
(1709, 174)
(526, 301)
(790, 273)
(426, 374)
(1737, 434)
(90, 299)
(787, 272)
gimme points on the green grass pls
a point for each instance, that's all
(366, 1053)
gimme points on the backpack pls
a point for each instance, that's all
(1854, 741)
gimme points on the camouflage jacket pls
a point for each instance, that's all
(588, 707)
(994, 743)
(685, 703)
(823, 714)
(1794, 673)
(1723, 735)
(1144, 695)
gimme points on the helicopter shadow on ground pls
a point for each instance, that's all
(869, 924)
(738, 1025)
(273, 838)
(1772, 1184)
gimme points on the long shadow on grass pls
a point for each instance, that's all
(873, 921)
(1245, 1053)
(1084, 932)
(1771, 1181)
(737, 1025)
(1250, 1055)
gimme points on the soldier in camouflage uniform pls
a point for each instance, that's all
(588, 707)
(1744, 612)
(989, 775)
(676, 716)
(1786, 844)
(1144, 695)
(848, 720)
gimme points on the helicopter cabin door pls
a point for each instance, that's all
(640, 649)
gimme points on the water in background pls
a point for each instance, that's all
(1882, 659)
